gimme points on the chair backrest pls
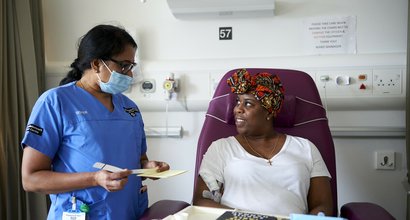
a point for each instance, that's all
(302, 115)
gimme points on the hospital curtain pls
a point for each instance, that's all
(21, 81)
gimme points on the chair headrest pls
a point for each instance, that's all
(221, 108)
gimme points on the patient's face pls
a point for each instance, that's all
(250, 115)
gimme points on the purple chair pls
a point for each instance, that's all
(302, 115)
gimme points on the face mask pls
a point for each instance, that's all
(117, 83)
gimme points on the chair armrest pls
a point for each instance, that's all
(163, 208)
(364, 210)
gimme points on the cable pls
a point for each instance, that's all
(166, 118)
(325, 98)
(325, 79)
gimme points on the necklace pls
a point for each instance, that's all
(256, 152)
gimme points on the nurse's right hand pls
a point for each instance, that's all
(112, 181)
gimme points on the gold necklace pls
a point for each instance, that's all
(267, 158)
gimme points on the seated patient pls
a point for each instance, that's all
(259, 169)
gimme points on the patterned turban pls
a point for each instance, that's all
(266, 88)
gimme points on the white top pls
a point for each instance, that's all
(251, 184)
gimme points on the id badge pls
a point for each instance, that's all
(73, 216)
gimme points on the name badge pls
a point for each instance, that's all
(73, 216)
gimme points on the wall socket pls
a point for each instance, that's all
(387, 81)
(385, 160)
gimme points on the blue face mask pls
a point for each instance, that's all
(118, 83)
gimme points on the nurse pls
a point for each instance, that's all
(85, 120)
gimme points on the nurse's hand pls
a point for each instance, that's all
(161, 166)
(112, 181)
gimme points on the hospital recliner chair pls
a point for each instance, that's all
(302, 115)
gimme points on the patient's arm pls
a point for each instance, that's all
(320, 196)
(201, 201)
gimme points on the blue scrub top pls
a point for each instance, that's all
(75, 130)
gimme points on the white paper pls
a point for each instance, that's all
(330, 35)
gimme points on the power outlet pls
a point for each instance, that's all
(385, 160)
(387, 81)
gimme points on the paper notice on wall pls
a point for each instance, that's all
(330, 35)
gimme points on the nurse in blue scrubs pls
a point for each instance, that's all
(85, 120)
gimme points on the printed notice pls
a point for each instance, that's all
(330, 35)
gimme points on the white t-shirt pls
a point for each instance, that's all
(251, 184)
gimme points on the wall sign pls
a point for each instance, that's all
(330, 35)
(225, 33)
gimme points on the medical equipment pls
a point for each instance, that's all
(170, 87)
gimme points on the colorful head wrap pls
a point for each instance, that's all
(266, 88)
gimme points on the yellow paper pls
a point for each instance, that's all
(161, 175)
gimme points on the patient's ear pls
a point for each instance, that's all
(270, 116)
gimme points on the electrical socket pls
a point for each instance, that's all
(385, 160)
(387, 81)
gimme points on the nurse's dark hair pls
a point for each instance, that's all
(101, 42)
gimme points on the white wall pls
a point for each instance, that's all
(191, 49)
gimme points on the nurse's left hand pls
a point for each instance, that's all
(161, 166)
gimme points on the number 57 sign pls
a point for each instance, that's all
(225, 33)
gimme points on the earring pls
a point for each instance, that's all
(267, 118)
